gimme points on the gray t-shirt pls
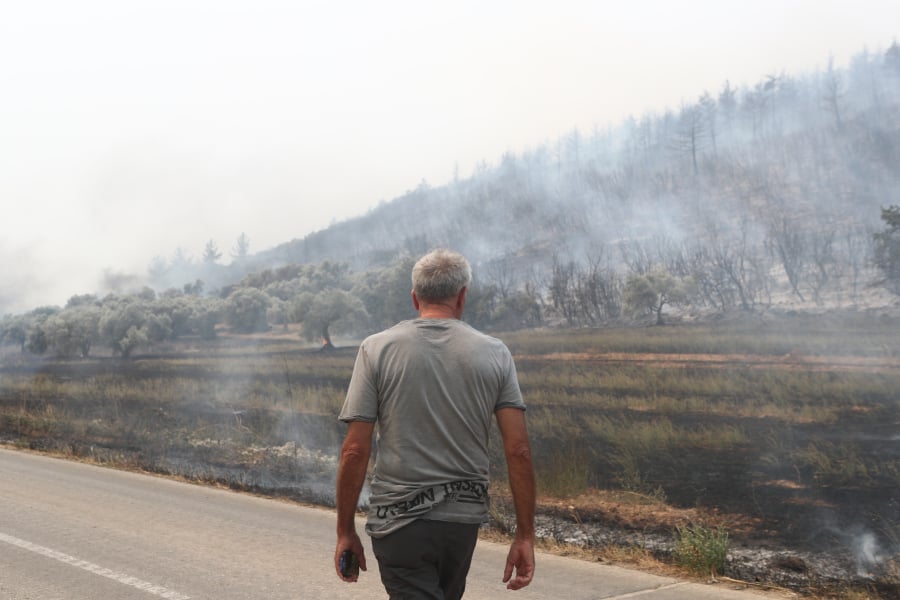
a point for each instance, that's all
(432, 386)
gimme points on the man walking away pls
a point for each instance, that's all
(433, 385)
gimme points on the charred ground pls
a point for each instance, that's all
(796, 454)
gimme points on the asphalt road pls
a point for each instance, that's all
(72, 531)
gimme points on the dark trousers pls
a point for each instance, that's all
(426, 560)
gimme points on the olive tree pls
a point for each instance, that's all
(651, 292)
(27, 330)
(35, 337)
(14, 330)
(206, 314)
(130, 323)
(279, 312)
(330, 309)
(189, 314)
(887, 249)
(385, 293)
(73, 331)
(245, 310)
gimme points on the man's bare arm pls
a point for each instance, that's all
(522, 484)
(351, 475)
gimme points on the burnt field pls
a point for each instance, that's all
(783, 431)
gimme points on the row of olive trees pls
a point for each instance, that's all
(324, 298)
(718, 272)
(122, 323)
(329, 299)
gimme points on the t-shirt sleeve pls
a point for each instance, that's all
(510, 395)
(361, 403)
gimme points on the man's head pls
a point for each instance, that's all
(440, 276)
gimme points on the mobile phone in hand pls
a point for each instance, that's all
(349, 564)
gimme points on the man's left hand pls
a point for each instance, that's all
(521, 560)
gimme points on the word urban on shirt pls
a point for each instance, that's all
(470, 492)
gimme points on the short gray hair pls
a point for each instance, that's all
(440, 274)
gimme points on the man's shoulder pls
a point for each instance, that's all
(401, 329)
(483, 339)
(409, 329)
(481, 334)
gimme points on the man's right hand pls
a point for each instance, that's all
(352, 543)
(521, 560)
(350, 478)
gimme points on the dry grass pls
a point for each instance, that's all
(634, 440)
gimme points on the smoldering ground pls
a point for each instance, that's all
(795, 459)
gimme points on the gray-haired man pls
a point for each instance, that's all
(433, 385)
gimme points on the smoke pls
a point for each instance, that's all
(26, 281)
(867, 553)
(119, 282)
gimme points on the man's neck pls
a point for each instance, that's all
(437, 311)
(449, 308)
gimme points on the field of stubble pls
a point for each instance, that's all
(784, 431)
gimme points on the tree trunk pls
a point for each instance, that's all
(326, 340)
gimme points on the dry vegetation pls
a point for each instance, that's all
(781, 433)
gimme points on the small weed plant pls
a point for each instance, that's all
(701, 549)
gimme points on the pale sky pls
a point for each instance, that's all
(129, 128)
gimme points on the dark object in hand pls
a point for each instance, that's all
(349, 564)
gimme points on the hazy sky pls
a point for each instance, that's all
(129, 128)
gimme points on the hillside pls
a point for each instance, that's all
(775, 188)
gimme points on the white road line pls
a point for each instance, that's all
(646, 592)
(156, 590)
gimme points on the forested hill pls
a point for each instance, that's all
(768, 196)
(747, 189)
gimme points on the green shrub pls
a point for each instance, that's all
(701, 549)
